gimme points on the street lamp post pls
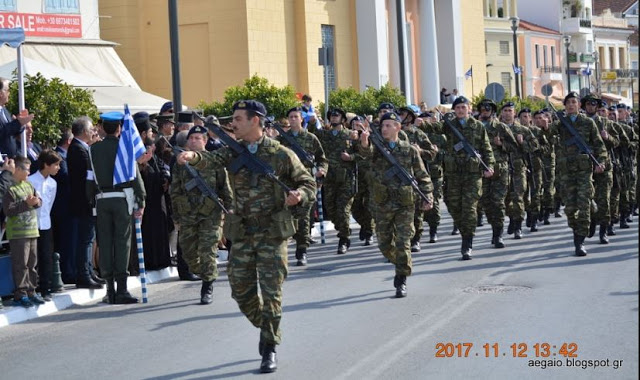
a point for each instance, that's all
(567, 43)
(514, 26)
(596, 58)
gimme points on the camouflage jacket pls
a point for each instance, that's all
(310, 144)
(334, 142)
(529, 143)
(255, 196)
(417, 137)
(494, 129)
(435, 164)
(568, 156)
(458, 161)
(191, 206)
(391, 191)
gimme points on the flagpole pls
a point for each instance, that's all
(472, 92)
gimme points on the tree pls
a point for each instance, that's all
(365, 102)
(277, 100)
(532, 103)
(55, 105)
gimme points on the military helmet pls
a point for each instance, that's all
(591, 99)
(487, 103)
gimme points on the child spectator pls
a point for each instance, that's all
(46, 188)
(19, 204)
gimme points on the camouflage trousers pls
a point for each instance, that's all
(361, 208)
(303, 232)
(603, 183)
(627, 193)
(199, 243)
(394, 230)
(548, 187)
(338, 198)
(259, 259)
(432, 217)
(534, 191)
(515, 197)
(494, 192)
(614, 199)
(463, 192)
(577, 192)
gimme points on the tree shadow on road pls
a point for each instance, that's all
(178, 375)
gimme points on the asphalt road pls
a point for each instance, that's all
(461, 320)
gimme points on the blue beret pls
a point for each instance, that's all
(570, 95)
(196, 129)
(251, 105)
(356, 119)
(460, 100)
(112, 116)
(621, 106)
(168, 106)
(390, 116)
(386, 106)
(140, 115)
(508, 104)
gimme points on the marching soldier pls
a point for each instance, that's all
(436, 172)
(393, 200)
(261, 221)
(199, 216)
(340, 181)
(495, 188)
(536, 175)
(361, 209)
(627, 196)
(462, 171)
(575, 168)
(311, 145)
(548, 157)
(114, 206)
(619, 178)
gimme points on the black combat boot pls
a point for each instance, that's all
(517, 229)
(269, 362)
(343, 246)
(557, 209)
(368, 240)
(479, 223)
(206, 292)
(400, 283)
(511, 227)
(545, 217)
(592, 228)
(301, 256)
(122, 294)
(110, 297)
(540, 215)
(433, 234)
(578, 242)
(415, 244)
(603, 234)
(528, 219)
(534, 223)
(629, 218)
(497, 237)
(623, 221)
(361, 234)
(466, 248)
(611, 230)
(455, 230)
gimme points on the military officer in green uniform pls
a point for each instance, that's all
(393, 200)
(495, 188)
(199, 216)
(260, 221)
(318, 168)
(548, 159)
(361, 209)
(436, 172)
(463, 173)
(114, 206)
(536, 175)
(575, 168)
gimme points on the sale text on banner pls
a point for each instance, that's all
(43, 25)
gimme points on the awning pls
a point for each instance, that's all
(615, 98)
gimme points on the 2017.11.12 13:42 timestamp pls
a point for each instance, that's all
(514, 350)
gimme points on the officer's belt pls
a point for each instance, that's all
(113, 194)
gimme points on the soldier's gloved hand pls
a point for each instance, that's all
(185, 157)
(488, 173)
(293, 198)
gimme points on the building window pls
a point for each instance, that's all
(61, 6)
(537, 56)
(505, 79)
(504, 47)
(622, 58)
(8, 5)
(545, 55)
(328, 42)
(634, 65)
(589, 46)
(553, 56)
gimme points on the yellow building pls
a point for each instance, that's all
(223, 42)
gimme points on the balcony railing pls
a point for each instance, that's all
(585, 23)
(551, 69)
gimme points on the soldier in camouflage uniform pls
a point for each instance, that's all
(463, 173)
(340, 182)
(200, 217)
(628, 157)
(603, 182)
(495, 188)
(435, 170)
(526, 143)
(575, 169)
(260, 221)
(536, 175)
(361, 202)
(548, 159)
(394, 201)
(310, 144)
(427, 151)
(619, 178)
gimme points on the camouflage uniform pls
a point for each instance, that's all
(494, 189)
(310, 144)
(619, 180)
(200, 218)
(361, 209)
(435, 169)
(259, 228)
(463, 174)
(548, 155)
(536, 178)
(627, 156)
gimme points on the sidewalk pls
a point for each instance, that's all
(72, 296)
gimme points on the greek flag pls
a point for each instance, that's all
(130, 148)
(469, 73)
(516, 70)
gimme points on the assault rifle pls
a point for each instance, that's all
(463, 143)
(302, 154)
(396, 169)
(576, 139)
(244, 158)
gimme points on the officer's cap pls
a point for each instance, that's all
(390, 116)
(487, 102)
(460, 100)
(167, 107)
(507, 105)
(538, 112)
(612, 108)
(163, 119)
(524, 110)
(250, 105)
(386, 106)
(602, 104)
(296, 109)
(185, 117)
(338, 112)
(621, 106)
(113, 116)
(196, 129)
(356, 119)
(570, 95)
